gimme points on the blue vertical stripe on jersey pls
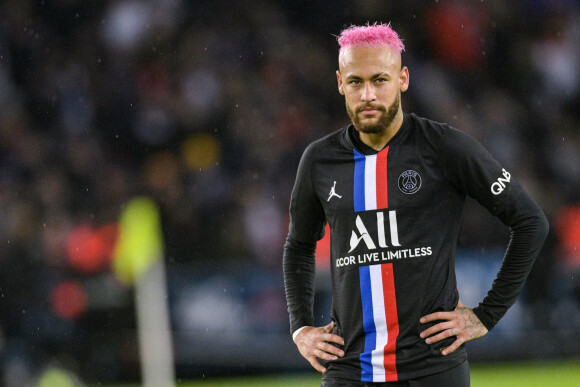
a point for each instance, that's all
(359, 181)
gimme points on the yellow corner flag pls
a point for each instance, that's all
(140, 241)
(138, 260)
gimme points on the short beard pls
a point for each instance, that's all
(384, 122)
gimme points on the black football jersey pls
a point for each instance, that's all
(394, 217)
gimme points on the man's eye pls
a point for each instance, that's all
(380, 80)
(354, 82)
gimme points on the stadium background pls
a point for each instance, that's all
(206, 107)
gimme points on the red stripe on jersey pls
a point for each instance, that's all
(382, 189)
(392, 323)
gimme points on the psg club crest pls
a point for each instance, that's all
(409, 182)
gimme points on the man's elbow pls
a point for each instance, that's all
(544, 226)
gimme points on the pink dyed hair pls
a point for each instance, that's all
(369, 35)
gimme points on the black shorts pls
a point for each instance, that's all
(457, 377)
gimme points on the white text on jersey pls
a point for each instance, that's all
(498, 186)
(382, 239)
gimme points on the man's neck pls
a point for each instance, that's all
(377, 141)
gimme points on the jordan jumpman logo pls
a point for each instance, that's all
(333, 193)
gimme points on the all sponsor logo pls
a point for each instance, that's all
(363, 234)
(373, 249)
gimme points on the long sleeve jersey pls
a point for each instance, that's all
(394, 217)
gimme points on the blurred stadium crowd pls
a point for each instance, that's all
(206, 106)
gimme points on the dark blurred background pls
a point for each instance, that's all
(206, 106)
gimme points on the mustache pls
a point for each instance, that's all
(369, 106)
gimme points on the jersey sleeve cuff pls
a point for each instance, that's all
(296, 332)
(487, 321)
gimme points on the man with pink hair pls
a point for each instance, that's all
(392, 186)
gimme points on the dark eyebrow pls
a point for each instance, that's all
(380, 75)
(375, 76)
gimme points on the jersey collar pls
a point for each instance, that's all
(352, 140)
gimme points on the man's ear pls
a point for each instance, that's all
(340, 84)
(404, 79)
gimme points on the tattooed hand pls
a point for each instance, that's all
(462, 323)
(315, 343)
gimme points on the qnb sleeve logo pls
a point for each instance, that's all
(499, 185)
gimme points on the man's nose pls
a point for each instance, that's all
(368, 94)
